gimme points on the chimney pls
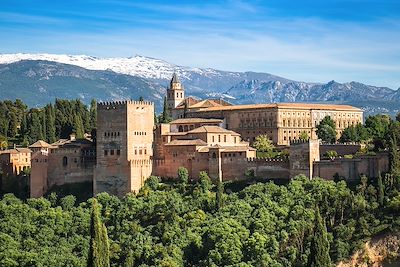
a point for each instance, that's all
(72, 137)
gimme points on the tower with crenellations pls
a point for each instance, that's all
(124, 146)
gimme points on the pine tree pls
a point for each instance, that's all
(99, 246)
(319, 254)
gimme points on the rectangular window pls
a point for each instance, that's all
(105, 152)
(118, 152)
(112, 152)
(225, 138)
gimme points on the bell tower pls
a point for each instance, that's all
(175, 93)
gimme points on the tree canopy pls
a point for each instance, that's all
(326, 130)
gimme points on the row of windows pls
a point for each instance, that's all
(258, 114)
(256, 124)
(140, 151)
(294, 123)
(294, 113)
(297, 132)
(112, 152)
(170, 95)
(111, 134)
(185, 128)
(140, 133)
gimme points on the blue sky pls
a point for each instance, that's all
(354, 40)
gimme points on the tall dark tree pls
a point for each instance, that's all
(79, 128)
(219, 198)
(50, 124)
(99, 245)
(381, 190)
(93, 114)
(165, 116)
(395, 159)
(326, 130)
(319, 254)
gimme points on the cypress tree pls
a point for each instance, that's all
(93, 114)
(165, 118)
(319, 254)
(78, 126)
(395, 159)
(50, 123)
(99, 247)
(219, 198)
(381, 190)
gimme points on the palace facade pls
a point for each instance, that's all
(207, 135)
(282, 122)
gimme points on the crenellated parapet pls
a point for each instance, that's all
(123, 103)
(270, 160)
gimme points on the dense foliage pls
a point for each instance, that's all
(201, 225)
(21, 125)
(326, 130)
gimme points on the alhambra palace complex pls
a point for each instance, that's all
(209, 135)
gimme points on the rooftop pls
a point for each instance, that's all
(39, 144)
(16, 150)
(191, 142)
(211, 129)
(195, 120)
(311, 106)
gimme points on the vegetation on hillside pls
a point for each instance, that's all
(199, 224)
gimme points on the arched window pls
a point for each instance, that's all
(65, 161)
(180, 129)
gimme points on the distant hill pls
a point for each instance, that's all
(39, 78)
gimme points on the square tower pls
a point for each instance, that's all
(175, 93)
(124, 146)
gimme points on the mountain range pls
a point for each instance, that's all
(38, 79)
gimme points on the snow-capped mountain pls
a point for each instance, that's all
(39, 78)
(141, 66)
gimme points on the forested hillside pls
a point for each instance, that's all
(201, 225)
(20, 125)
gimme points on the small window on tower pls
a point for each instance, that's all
(112, 152)
(118, 152)
(105, 152)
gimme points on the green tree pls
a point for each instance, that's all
(331, 154)
(263, 144)
(219, 198)
(165, 116)
(205, 181)
(50, 124)
(183, 175)
(304, 136)
(319, 255)
(381, 190)
(326, 130)
(93, 114)
(79, 129)
(99, 246)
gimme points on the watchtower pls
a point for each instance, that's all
(124, 146)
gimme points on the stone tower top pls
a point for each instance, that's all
(175, 83)
(175, 93)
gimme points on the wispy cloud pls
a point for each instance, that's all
(230, 35)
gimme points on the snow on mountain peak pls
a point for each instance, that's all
(138, 65)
